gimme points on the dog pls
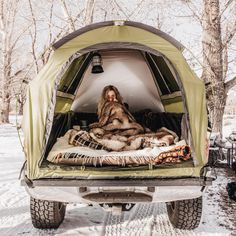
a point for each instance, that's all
(234, 167)
(231, 189)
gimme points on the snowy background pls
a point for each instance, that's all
(144, 219)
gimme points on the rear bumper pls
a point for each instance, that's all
(66, 182)
(116, 190)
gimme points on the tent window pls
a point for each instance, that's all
(163, 75)
(72, 76)
(74, 84)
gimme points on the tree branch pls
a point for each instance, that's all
(194, 11)
(12, 15)
(225, 61)
(89, 11)
(68, 16)
(50, 22)
(227, 4)
(230, 84)
(19, 36)
(2, 25)
(33, 36)
(78, 16)
(230, 35)
(120, 9)
(137, 9)
(16, 73)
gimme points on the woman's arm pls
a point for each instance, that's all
(105, 114)
(106, 111)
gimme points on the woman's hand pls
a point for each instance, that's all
(94, 125)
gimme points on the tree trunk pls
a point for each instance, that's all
(5, 101)
(5, 110)
(217, 103)
(5, 87)
(5, 113)
(20, 111)
(213, 63)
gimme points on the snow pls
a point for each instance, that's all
(80, 219)
(229, 125)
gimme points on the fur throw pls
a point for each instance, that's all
(115, 142)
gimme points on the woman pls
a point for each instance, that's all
(117, 129)
(113, 115)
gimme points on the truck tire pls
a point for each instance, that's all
(185, 214)
(46, 214)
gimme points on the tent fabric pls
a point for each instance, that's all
(76, 33)
(63, 104)
(125, 70)
(177, 104)
(41, 94)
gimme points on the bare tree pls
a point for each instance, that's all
(10, 36)
(215, 60)
(47, 15)
(39, 58)
(218, 23)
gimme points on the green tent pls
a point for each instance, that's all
(58, 88)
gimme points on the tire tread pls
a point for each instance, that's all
(46, 214)
(186, 213)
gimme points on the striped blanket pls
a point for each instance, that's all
(78, 148)
(83, 139)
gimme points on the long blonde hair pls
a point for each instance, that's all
(102, 99)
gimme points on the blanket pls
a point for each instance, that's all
(82, 138)
(116, 142)
(174, 155)
(81, 151)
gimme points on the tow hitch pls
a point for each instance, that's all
(116, 209)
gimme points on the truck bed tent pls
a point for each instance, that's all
(136, 57)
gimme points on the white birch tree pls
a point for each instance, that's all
(215, 46)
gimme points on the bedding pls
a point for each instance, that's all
(78, 147)
(114, 141)
(62, 122)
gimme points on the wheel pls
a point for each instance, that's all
(46, 214)
(185, 214)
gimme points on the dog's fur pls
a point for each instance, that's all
(231, 189)
(234, 167)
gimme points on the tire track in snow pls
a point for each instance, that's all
(129, 223)
(10, 197)
(113, 224)
(141, 215)
(149, 219)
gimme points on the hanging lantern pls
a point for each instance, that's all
(97, 63)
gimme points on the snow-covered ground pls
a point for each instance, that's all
(144, 219)
(229, 125)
